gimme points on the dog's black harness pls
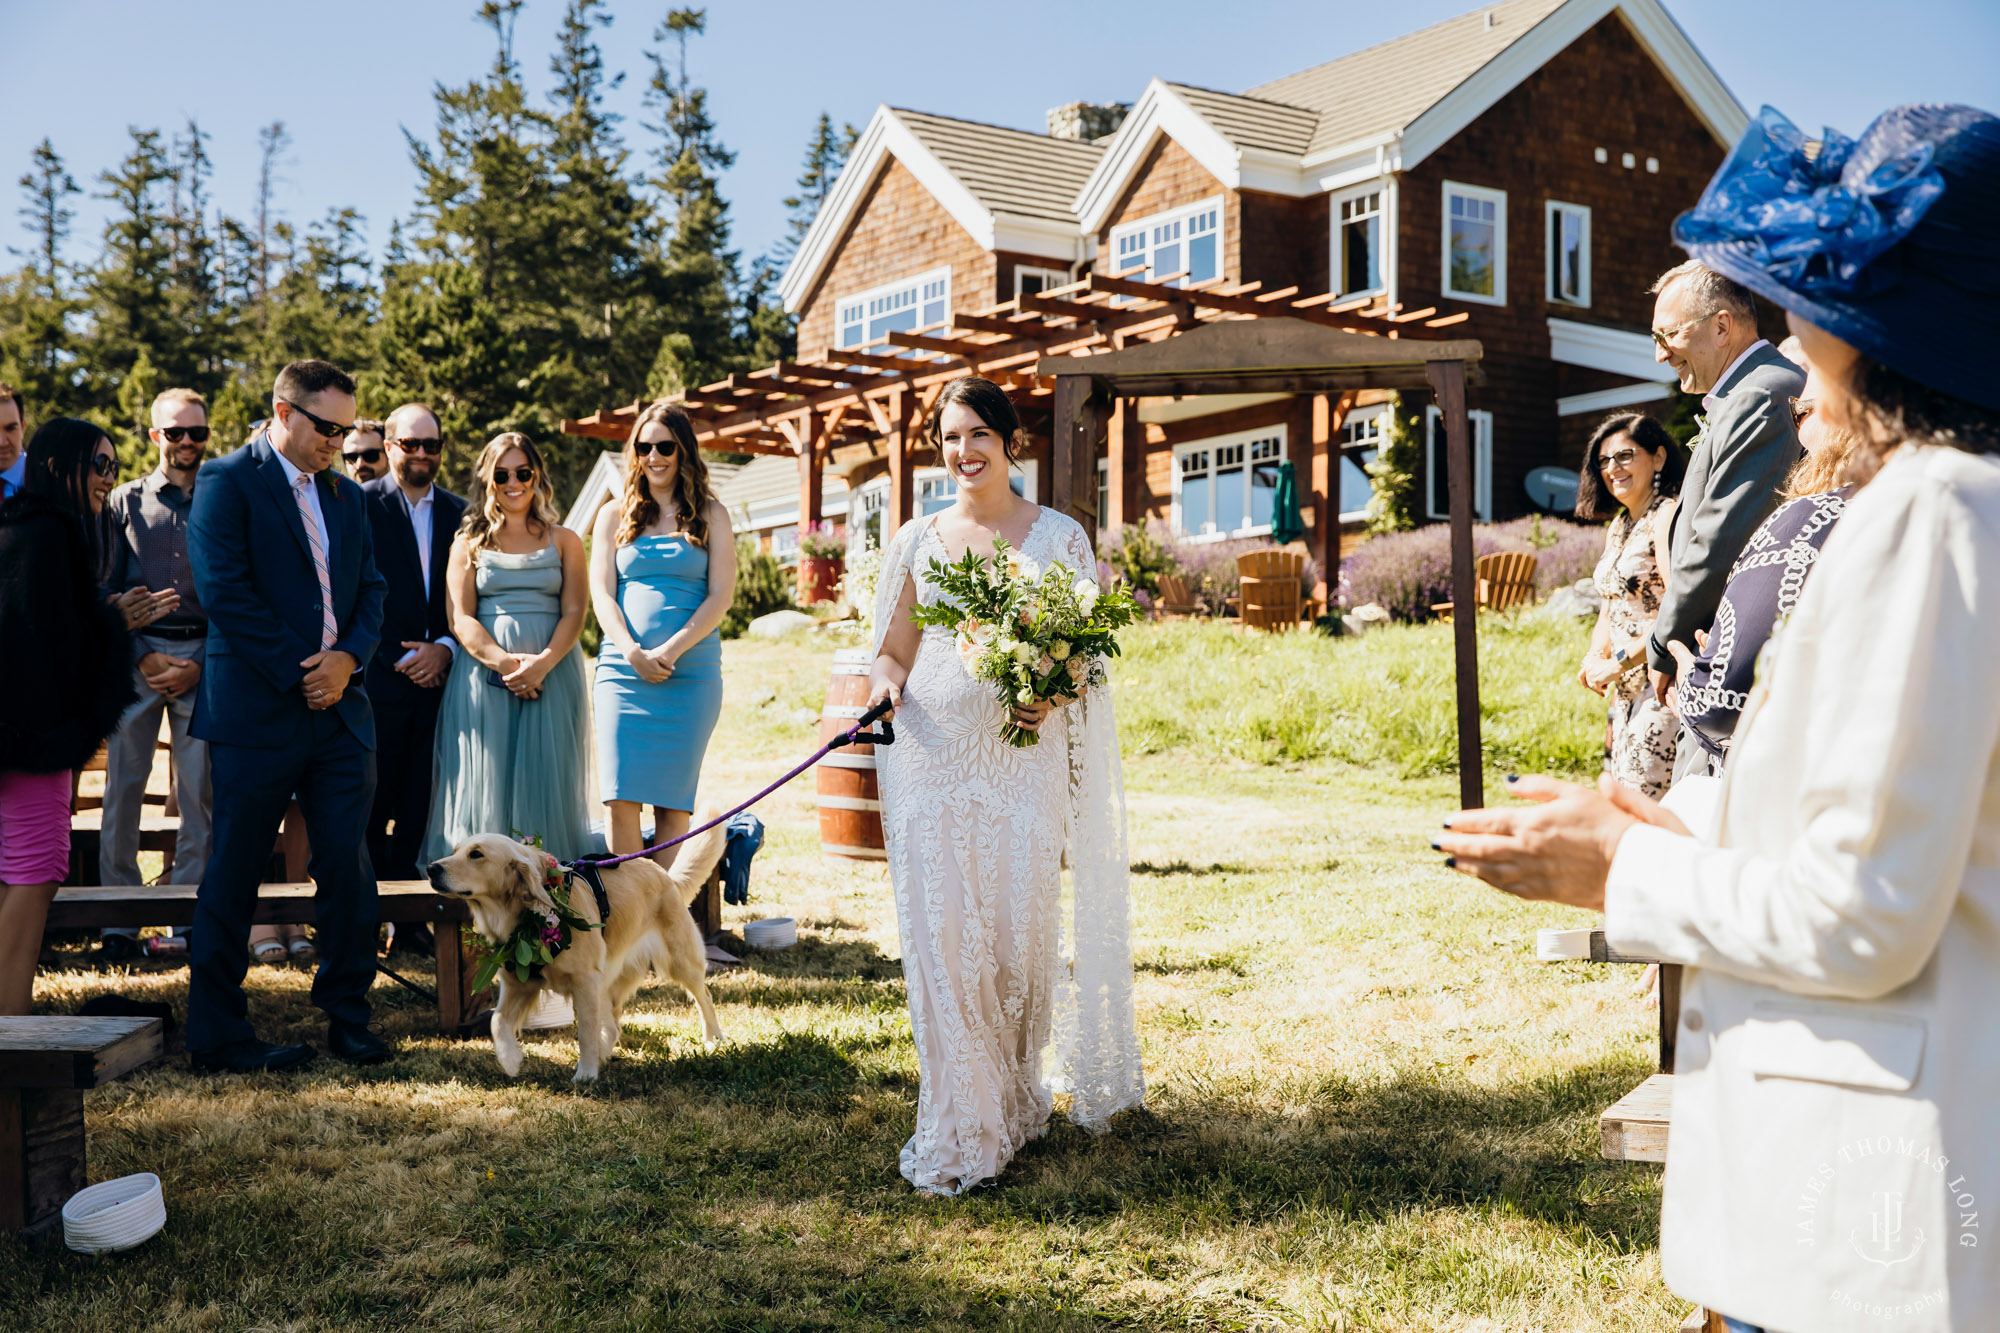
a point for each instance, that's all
(588, 870)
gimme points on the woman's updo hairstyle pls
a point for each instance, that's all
(991, 404)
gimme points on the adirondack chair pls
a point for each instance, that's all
(1271, 595)
(1175, 599)
(1505, 580)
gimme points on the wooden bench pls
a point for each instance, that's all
(45, 1066)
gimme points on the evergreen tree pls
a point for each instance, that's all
(36, 355)
(132, 311)
(826, 154)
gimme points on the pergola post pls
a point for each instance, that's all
(1073, 438)
(902, 482)
(812, 488)
(1447, 379)
(1124, 445)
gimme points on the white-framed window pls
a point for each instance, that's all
(1569, 253)
(900, 306)
(1186, 240)
(1360, 234)
(936, 488)
(1103, 491)
(1228, 486)
(1361, 438)
(864, 516)
(1475, 243)
(785, 544)
(1437, 492)
(869, 505)
(1038, 279)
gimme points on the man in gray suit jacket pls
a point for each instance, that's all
(1705, 327)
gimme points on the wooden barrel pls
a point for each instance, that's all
(850, 801)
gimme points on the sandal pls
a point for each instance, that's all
(302, 950)
(270, 953)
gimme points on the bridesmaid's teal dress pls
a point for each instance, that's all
(651, 737)
(507, 765)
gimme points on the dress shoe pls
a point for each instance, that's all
(250, 1057)
(355, 1044)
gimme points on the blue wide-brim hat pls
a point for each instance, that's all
(1890, 242)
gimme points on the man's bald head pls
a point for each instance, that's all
(412, 419)
(416, 445)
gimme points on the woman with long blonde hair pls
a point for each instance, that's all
(510, 732)
(662, 576)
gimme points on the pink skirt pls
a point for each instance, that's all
(34, 827)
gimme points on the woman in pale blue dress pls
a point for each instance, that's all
(511, 726)
(662, 575)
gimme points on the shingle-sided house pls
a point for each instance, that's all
(1521, 163)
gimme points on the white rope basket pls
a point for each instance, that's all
(115, 1215)
(772, 933)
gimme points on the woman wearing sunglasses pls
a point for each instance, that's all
(68, 668)
(663, 573)
(511, 725)
(1632, 474)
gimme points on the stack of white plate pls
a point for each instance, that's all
(1556, 946)
(772, 933)
(552, 1010)
(115, 1215)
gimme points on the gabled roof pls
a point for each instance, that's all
(1010, 189)
(1252, 122)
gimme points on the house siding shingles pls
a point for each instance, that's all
(1168, 178)
(1539, 143)
(899, 230)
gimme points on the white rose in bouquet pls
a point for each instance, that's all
(1023, 653)
(1087, 593)
(1022, 567)
(974, 638)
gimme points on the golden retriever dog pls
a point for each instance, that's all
(601, 969)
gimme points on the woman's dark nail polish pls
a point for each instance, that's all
(1513, 777)
(1434, 845)
(1447, 823)
(1451, 863)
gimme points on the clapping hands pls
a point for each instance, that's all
(141, 606)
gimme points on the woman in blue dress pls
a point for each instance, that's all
(662, 575)
(510, 733)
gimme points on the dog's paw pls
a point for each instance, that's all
(584, 1076)
(510, 1059)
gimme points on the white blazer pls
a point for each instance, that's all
(1835, 1150)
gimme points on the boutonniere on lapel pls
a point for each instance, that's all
(333, 482)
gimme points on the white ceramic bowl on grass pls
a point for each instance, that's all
(772, 933)
(115, 1215)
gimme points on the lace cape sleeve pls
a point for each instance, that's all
(896, 567)
(1096, 1030)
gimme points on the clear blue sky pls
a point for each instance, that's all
(345, 78)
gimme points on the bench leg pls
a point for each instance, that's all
(707, 908)
(1670, 1013)
(456, 1002)
(41, 1156)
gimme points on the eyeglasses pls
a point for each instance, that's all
(430, 446)
(328, 429)
(644, 447)
(370, 456)
(1661, 336)
(1623, 458)
(175, 434)
(103, 464)
(524, 475)
(1801, 409)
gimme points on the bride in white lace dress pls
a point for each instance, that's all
(1016, 992)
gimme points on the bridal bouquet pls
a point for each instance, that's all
(1036, 633)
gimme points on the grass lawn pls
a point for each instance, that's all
(1369, 1107)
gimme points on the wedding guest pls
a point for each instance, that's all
(66, 674)
(1631, 472)
(511, 725)
(1764, 586)
(1836, 1066)
(662, 575)
(285, 566)
(1705, 327)
(149, 549)
(13, 458)
(414, 520)
(363, 451)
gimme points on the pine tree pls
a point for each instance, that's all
(272, 141)
(826, 154)
(131, 290)
(36, 353)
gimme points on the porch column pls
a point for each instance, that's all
(1447, 380)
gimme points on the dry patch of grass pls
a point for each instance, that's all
(1369, 1109)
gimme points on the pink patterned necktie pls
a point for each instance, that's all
(328, 631)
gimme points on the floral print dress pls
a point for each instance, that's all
(1632, 583)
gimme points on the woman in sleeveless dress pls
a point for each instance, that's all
(1010, 1002)
(662, 575)
(1633, 466)
(511, 724)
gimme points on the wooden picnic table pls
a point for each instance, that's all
(46, 1063)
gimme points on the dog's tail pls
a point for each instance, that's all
(698, 857)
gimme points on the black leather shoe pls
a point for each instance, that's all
(250, 1057)
(356, 1044)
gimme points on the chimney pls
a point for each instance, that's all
(1087, 122)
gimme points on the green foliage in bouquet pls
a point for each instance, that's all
(1035, 633)
(538, 936)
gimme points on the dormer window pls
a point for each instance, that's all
(1179, 247)
(896, 307)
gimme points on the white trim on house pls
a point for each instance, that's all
(1481, 423)
(1184, 214)
(1384, 230)
(1551, 208)
(917, 283)
(606, 476)
(1050, 277)
(1376, 418)
(1479, 194)
(1604, 400)
(1596, 347)
(1266, 445)
(1159, 110)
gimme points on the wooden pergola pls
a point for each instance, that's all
(1076, 360)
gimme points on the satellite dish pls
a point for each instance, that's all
(1553, 489)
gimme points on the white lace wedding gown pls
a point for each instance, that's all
(1012, 999)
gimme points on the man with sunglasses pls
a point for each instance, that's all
(1705, 328)
(148, 523)
(363, 451)
(284, 560)
(414, 520)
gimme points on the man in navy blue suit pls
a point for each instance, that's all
(414, 520)
(284, 564)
